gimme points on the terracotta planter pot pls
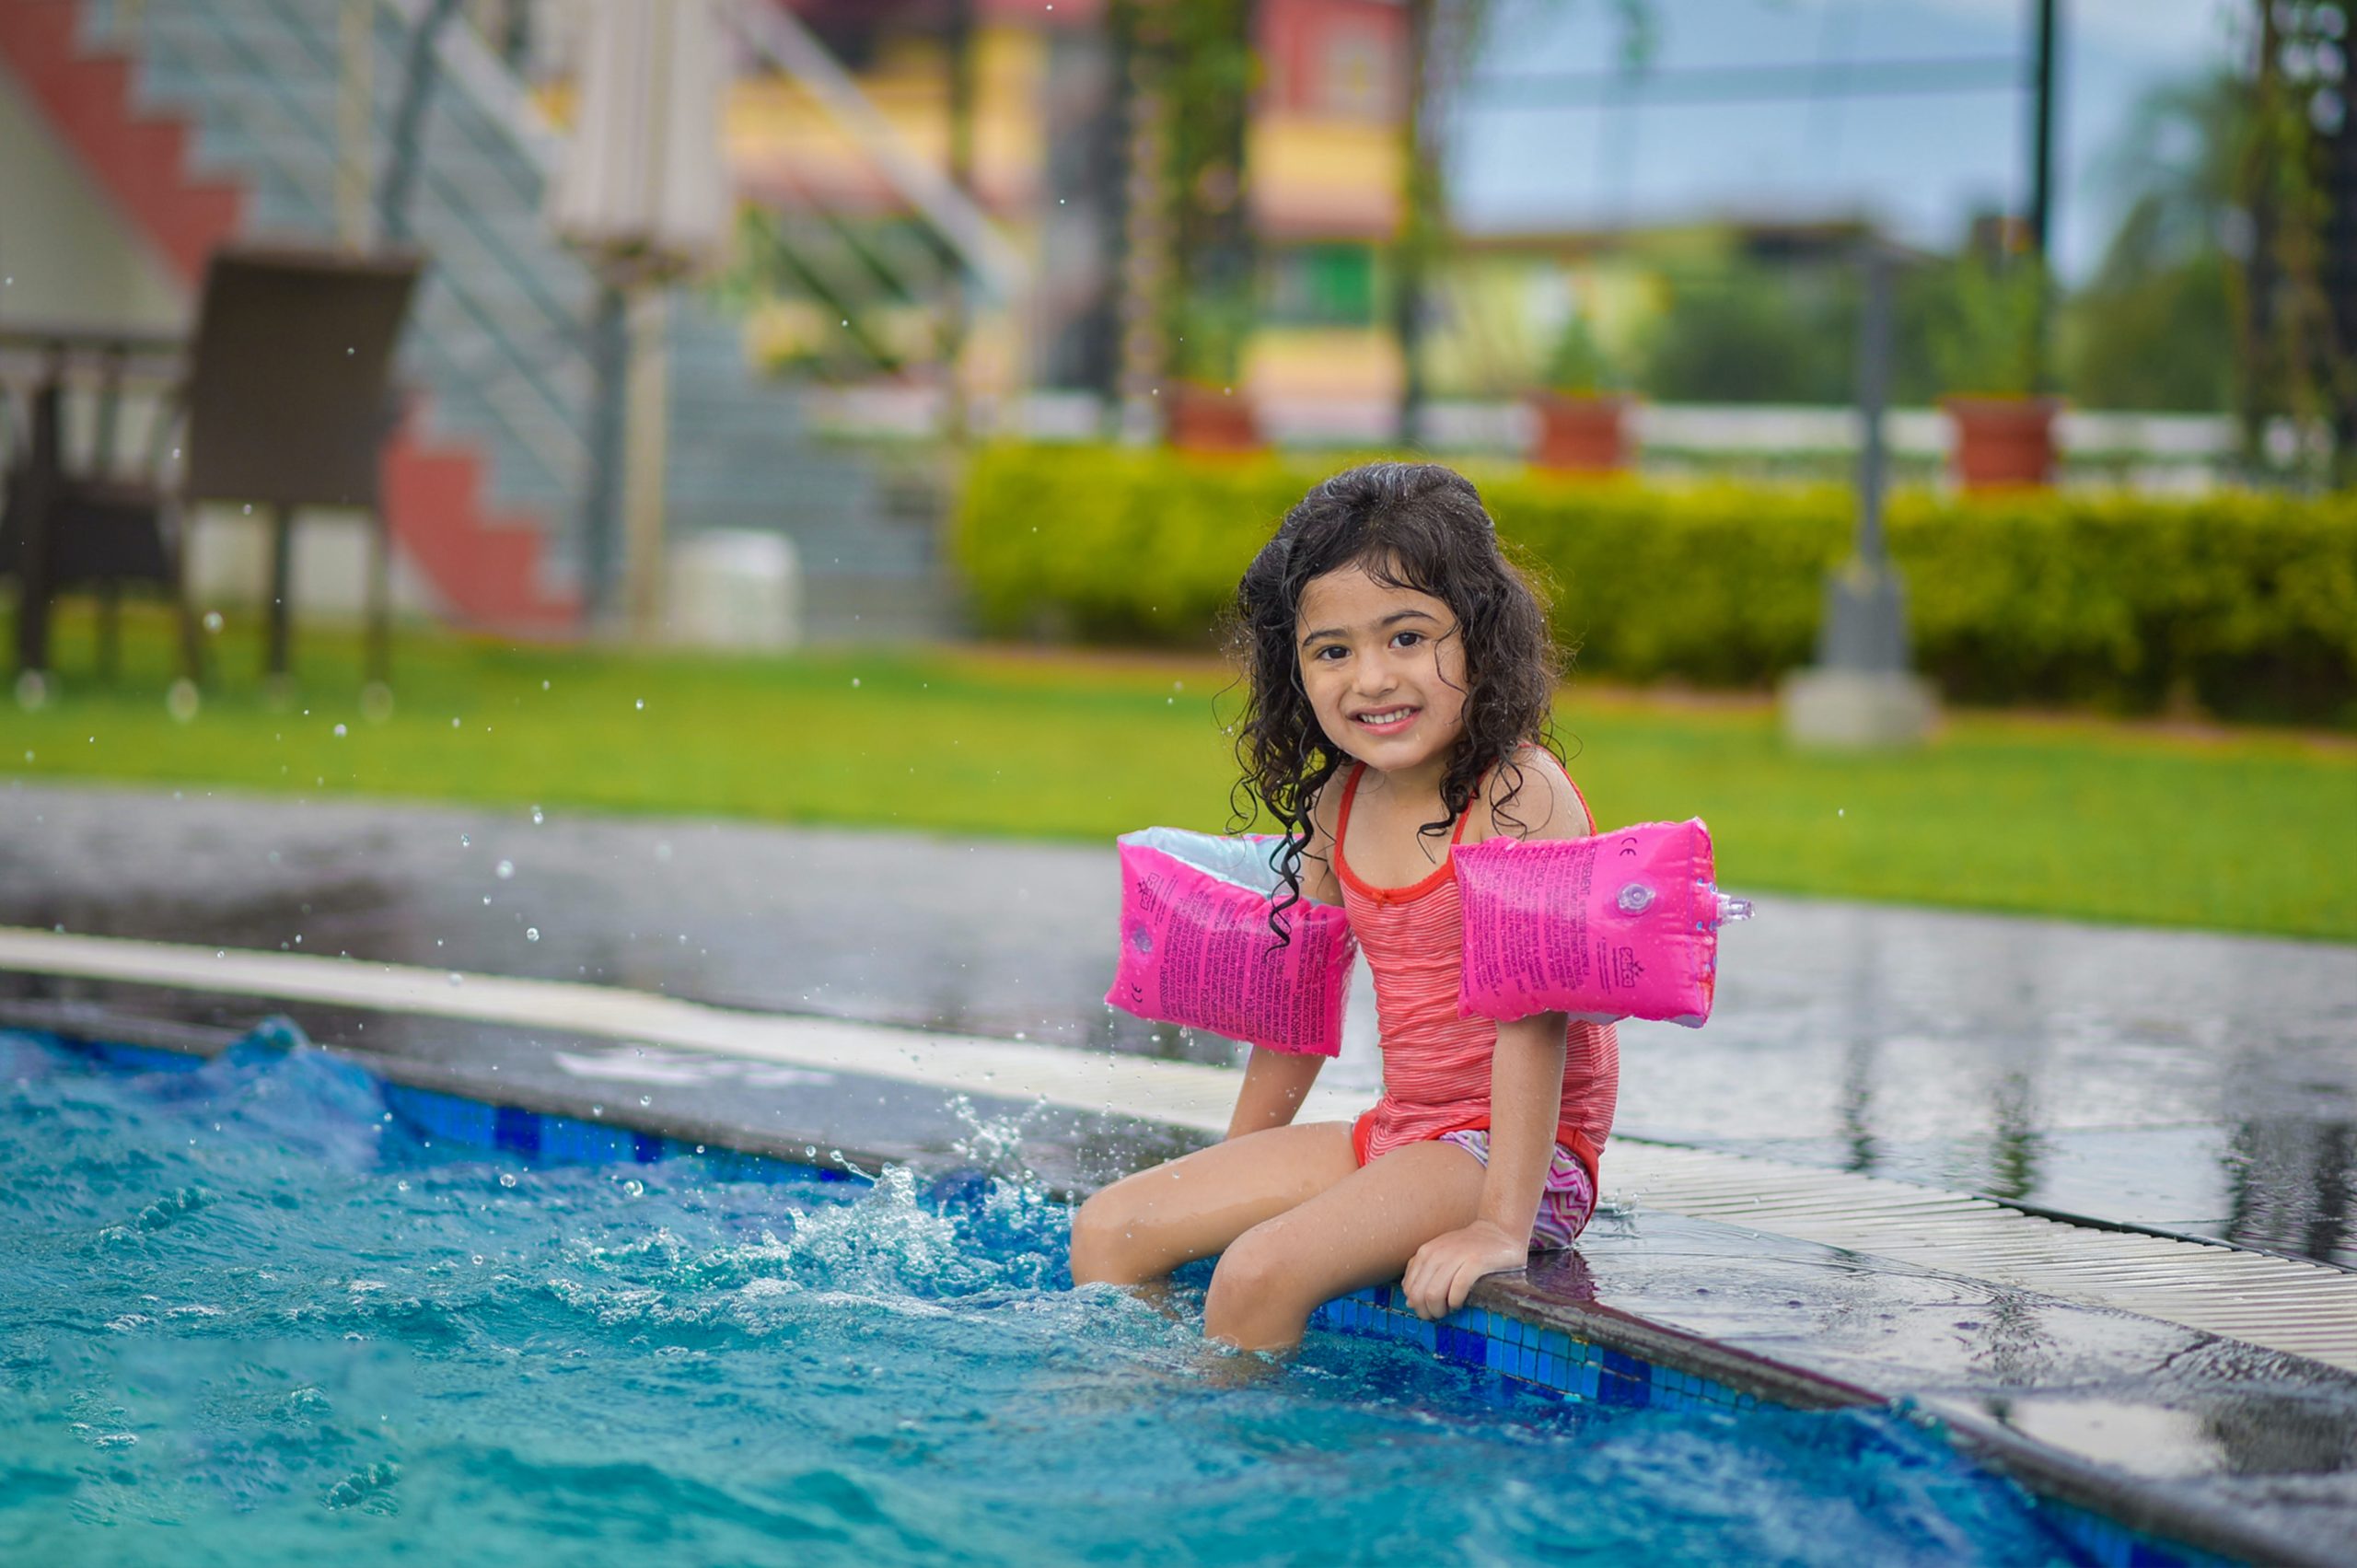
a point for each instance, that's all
(1581, 434)
(1205, 419)
(2003, 442)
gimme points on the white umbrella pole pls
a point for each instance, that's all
(646, 455)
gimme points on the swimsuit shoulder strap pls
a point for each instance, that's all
(1350, 793)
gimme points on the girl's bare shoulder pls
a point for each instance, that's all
(1531, 796)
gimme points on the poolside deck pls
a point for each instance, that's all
(890, 996)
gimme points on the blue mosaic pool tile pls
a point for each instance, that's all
(145, 1059)
(565, 1138)
(1626, 1381)
(444, 1116)
(516, 1129)
(2111, 1544)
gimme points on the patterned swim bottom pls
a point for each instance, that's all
(1565, 1205)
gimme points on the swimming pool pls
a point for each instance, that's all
(256, 1314)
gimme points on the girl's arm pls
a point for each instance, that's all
(1525, 1088)
(1275, 1081)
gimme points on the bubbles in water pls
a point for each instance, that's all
(508, 1179)
(634, 1187)
(505, 869)
(531, 933)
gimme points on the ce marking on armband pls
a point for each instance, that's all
(1628, 847)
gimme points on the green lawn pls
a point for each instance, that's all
(2239, 830)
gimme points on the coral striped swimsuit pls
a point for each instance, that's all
(1435, 1063)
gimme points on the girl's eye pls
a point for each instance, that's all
(1329, 652)
(1407, 639)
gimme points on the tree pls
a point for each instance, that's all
(2154, 327)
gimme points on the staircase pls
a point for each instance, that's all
(226, 125)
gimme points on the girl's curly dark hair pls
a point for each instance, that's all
(1415, 525)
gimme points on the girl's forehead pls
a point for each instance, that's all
(1347, 599)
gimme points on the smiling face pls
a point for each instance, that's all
(1383, 670)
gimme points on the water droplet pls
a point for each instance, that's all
(250, 508)
(536, 816)
(508, 1179)
(634, 1187)
(640, 705)
(531, 933)
(213, 621)
(506, 869)
(454, 721)
(854, 681)
(398, 1185)
(458, 979)
(339, 732)
(478, 1257)
(645, 1100)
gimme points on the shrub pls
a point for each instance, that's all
(2243, 602)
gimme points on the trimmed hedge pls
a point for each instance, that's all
(2245, 602)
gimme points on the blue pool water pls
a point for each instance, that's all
(249, 1318)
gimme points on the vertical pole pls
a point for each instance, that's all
(409, 124)
(957, 43)
(1420, 196)
(281, 587)
(35, 489)
(601, 518)
(379, 655)
(1146, 218)
(354, 87)
(2041, 188)
(647, 443)
(2042, 156)
(1873, 396)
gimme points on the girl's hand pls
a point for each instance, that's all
(1441, 1275)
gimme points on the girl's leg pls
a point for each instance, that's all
(1145, 1226)
(1360, 1231)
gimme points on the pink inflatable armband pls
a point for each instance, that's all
(1623, 924)
(1196, 949)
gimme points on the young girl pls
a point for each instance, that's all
(1399, 674)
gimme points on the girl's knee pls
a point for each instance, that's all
(1104, 1241)
(1256, 1298)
